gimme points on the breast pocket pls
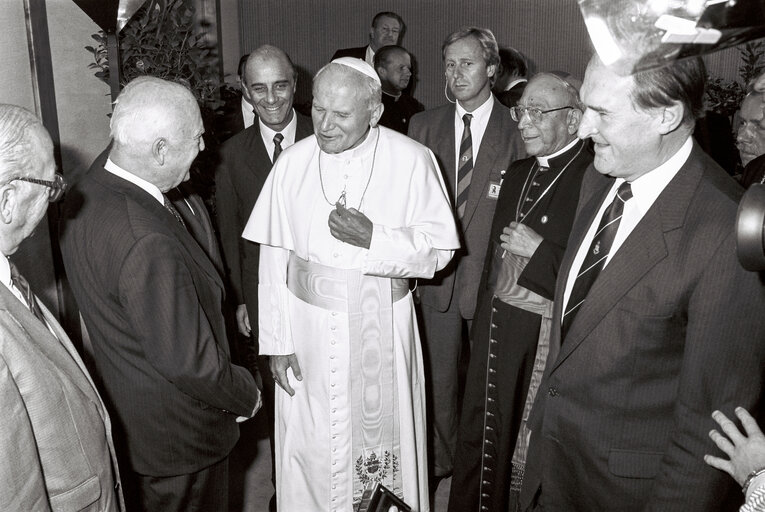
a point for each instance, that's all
(634, 464)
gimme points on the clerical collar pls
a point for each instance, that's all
(394, 96)
(544, 161)
(150, 188)
(514, 83)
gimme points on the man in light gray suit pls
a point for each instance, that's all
(57, 451)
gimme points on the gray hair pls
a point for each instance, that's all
(17, 149)
(148, 108)
(368, 85)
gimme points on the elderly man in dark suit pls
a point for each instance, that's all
(655, 323)
(475, 141)
(57, 441)
(387, 28)
(151, 300)
(246, 160)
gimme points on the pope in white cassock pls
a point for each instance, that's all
(344, 218)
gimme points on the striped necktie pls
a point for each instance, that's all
(596, 257)
(464, 166)
(278, 138)
(169, 207)
(22, 285)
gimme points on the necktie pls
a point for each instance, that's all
(596, 257)
(464, 166)
(169, 207)
(22, 285)
(278, 138)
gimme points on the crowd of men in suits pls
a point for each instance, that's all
(570, 235)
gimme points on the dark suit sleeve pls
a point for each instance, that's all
(722, 368)
(541, 271)
(226, 206)
(161, 303)
(250, 264)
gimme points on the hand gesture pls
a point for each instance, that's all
(520, 239)
(279, 365)
(350, 226)
(243, 320)
(746, 452)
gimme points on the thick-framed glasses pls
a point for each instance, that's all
(535, 113)
(56, 188)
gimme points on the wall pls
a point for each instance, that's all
(82, 105)
(550, 32)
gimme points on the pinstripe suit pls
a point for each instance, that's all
(151, 300)
(672, 329)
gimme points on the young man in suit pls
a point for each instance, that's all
(57, 440)
(246, 160)
(475, 140)
(387, 28)
(151, 300)
(655, 323)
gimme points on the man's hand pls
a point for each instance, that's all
(520, 239)
(243, 320)
(279, 365)
(350, 226)
(746, 452)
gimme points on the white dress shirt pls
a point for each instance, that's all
(478, 124)
(369, 56)
(288, 132)
(248, 113)
(645, 190)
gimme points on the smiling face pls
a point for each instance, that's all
(467, 74)
(554, 130)
(626, 140)
(340, 111)
(270, 87)
(751, 132)
(386, 31)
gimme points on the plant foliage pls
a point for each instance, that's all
(162, 40)
(725, 96)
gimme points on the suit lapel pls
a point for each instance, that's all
(642, 250)
(445, 147)
(59, 351)
(164, 218)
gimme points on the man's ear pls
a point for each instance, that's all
(573, 119)
(491, 70)
(159, 150)
(8, 200)
(376, 113)
(671, 117)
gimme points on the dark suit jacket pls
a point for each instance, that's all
(672, 329)
(56, 435)
(151, 300)
(500, 146)
(358, 53)
(243, 168)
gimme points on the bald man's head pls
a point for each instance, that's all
(157, 131)
(269, 85)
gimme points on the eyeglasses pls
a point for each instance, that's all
(56, 188)
(535, 113)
